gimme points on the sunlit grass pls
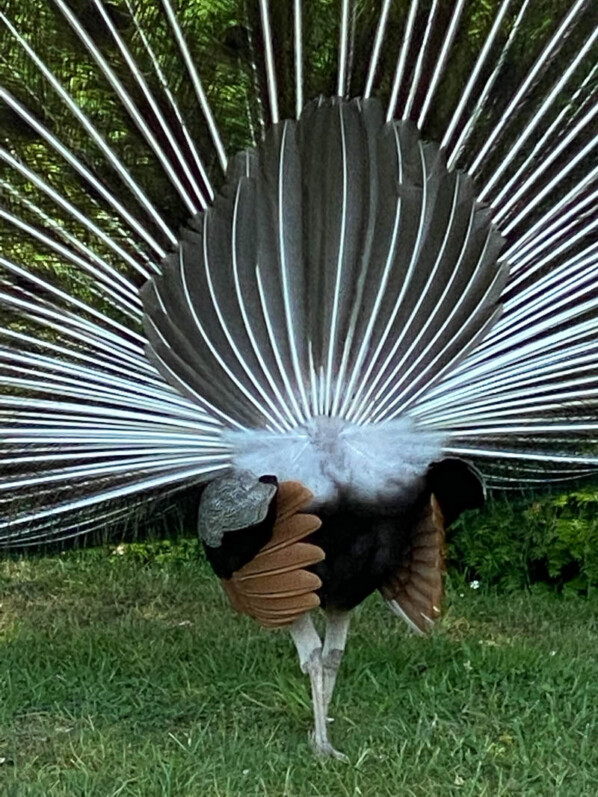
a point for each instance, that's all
(120, 677)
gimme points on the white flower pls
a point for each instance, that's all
(474, 584)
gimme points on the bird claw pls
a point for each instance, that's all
(326, 750)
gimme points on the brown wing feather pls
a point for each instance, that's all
(417, 588)
(275, 588)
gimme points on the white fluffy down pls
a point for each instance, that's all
(329, 455)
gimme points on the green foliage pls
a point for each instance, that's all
(177, 551)
(515, 543)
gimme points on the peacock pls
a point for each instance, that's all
(326, 270)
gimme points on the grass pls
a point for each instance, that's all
(120, 677)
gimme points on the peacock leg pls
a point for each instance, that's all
(337, 628)
(309, 648)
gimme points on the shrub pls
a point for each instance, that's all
(518, 542)
(180, 549)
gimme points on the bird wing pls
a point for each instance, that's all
(416, 591)
(274, 587)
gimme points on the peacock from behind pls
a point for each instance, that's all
(337, 261)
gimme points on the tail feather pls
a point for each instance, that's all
(316, 227)
(122, 123)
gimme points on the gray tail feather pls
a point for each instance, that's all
(301, 292)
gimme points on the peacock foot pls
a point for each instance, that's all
(324, 749)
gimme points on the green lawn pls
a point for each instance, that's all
(124, 678)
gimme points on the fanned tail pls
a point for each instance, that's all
(122, 123)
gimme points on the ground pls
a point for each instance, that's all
(120, 676)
